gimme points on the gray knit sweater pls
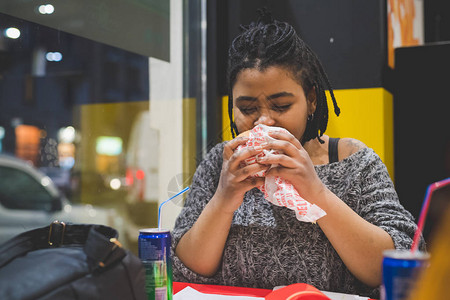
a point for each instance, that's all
(267, 246)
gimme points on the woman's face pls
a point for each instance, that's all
(272, 98)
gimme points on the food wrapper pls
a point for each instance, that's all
(277, 190)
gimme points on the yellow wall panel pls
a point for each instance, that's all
(366, 115)
(226, 131)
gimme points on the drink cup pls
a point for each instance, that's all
(401, 269)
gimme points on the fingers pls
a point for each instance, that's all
(255, 181)
(234, 160)
(276, 159)
(250, 170)
(285, 143)
(289, 152)
(231, 146)
(239, 157)
(287, 137)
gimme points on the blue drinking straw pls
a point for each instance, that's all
(160, 206)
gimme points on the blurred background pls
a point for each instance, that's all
(110, 105)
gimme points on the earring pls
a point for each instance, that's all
(310, 117)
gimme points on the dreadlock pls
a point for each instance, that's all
(269, 42)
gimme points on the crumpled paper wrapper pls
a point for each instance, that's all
(277, 190)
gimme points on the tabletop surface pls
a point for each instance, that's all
(243, 291)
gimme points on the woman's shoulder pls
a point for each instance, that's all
(215, 152)
(217, 148)
(213, 158)
(354, 158)
(354, 154)
(349, 146)
(323, 153)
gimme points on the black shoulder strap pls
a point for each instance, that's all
(333, 155)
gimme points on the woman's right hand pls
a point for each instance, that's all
(235, 178)
(201, 247)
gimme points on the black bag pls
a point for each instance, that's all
(69, 261)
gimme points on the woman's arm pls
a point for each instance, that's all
(201, 247)
(359, 243)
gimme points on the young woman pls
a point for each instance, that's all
(229, 234)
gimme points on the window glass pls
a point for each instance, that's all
(92, 94)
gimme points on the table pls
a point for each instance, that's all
(229, 290)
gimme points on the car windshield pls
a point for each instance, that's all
(33, 196)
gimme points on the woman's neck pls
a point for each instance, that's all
(318, 152)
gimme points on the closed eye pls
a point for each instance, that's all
(281, 108)
(248, 110)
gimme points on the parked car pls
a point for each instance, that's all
(29, 199)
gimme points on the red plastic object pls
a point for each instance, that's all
(297, 291)
(309, 292)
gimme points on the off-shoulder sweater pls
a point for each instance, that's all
(267, 246)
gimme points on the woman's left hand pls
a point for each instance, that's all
(293, 164)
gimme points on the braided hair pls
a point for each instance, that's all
(269, 42)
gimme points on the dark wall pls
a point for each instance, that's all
(421, 121)
(216, 67)
(437, 20)
(347, 35)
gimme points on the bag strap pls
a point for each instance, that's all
(103, 250)
(99, 243)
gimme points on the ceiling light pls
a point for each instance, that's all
(46, 9)
(12, 33)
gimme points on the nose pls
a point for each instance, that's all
(264, 118)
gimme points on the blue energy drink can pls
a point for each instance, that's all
(401, 269)
(154, 252)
